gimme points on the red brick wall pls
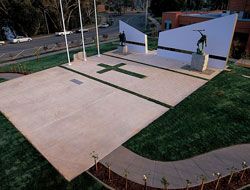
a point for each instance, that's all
(239, 5)
(187, 20)
(173, 16)
(101, 8)
(243, 27)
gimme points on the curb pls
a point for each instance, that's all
(99, 181)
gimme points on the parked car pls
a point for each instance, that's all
(20, 39)
(2, 43)
(63, 33)
(105, 25)
(84, 30)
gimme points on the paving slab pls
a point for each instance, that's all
(210, 164)
(65, 121)
(167, 170)
(189, 170)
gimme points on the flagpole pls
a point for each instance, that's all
(96, 27)
(83, 44)
(65, 35)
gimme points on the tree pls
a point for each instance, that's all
(159, 6)
(54, 11)
(28, 16)
(218, 4)
(25, 18)
(88, 9)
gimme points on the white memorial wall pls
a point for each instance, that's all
(136, 40)
(181, 42)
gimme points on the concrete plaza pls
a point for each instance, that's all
(70, 111)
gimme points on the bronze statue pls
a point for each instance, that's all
(122, 38)
(202, 41)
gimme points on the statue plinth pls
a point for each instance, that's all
(199, 62)
(123, 49)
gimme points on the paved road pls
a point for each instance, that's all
(135, 19)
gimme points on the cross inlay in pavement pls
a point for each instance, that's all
(117, 68)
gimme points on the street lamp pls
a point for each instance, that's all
(218, 175)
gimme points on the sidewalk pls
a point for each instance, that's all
(177, 172)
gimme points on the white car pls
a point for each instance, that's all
(105, 25)
(2, 43)
(84, 30)
(63, 33)
(20, 39)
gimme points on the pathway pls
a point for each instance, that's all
(9, 76)
(177, 172)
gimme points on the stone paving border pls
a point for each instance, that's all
(177, 172)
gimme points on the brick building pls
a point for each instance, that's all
(241, 42)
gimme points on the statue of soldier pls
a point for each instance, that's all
(202, 41)
(122, 38)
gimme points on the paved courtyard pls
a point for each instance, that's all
(67, 112)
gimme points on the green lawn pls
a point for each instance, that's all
(215, 116)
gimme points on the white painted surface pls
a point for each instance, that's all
(219, 38)
(134, 35)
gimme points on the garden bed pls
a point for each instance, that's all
(119, 183)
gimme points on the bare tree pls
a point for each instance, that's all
(88, 9)
(53, 11)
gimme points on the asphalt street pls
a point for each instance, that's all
(135, 19)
